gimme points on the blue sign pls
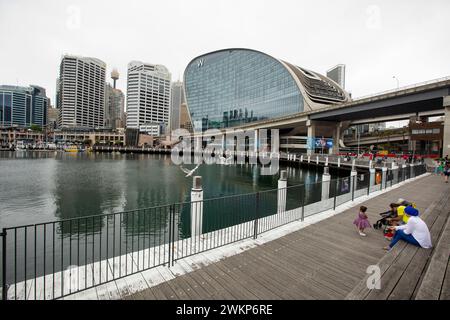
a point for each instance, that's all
(323, 143)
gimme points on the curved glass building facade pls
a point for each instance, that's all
(233, 87)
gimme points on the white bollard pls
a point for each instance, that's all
(326, 162)
(295, 157)
(339, 162)
(325, 184)
(301, 158)
(309, 159)
(282, 185)
(196, 207)
(353, 179)
(317, 159)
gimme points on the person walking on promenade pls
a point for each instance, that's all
(362, 221)
(446, 171)
(415, 231)
(437, 167)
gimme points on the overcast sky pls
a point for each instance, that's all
(375, 39)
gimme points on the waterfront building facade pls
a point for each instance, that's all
(11, 136)
(176, 99)
(102, 137)
(23, 107)
(148, 95)
(81, 93)
(232, 87)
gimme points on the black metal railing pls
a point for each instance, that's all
(55, 259)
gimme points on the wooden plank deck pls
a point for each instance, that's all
(404, 267)
(435, 284)
(325, 260)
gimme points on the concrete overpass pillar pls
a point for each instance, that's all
(336, 138)
(446, 140)
(311, 136)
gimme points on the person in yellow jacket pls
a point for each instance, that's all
(401, 217)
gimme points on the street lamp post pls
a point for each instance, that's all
(358, 135)
(398, 83)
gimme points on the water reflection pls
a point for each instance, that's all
(43, 186)
(38, 187)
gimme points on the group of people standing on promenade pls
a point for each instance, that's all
(401, 222)
(442, 167)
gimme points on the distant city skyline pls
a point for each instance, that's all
(376, 40)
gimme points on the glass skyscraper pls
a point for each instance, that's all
(23, 106)
(231, 87)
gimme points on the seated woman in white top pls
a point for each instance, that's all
(415, 231)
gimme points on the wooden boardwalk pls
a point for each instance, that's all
(406, 272)
(326, 260)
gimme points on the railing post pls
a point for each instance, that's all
(303, 202)
(4, 286)
(172, 209)
(335, 192)
(368, 184)
(255, 223)
(383, 177)
(353, 175)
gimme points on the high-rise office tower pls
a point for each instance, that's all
(148, 96)
(81, 93)
(23, 106)
(337, 74)
(176, 99)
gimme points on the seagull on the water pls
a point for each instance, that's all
(189, 172)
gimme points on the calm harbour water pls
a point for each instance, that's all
(38, 187)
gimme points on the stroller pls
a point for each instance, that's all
(382, 223)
